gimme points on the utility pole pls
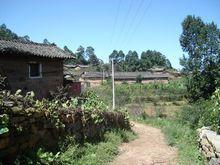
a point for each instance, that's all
(113, 86)
(103, 75)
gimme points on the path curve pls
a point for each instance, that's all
(149, 148)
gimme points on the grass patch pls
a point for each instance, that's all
(180, 136)
(97, 153)
(173, 91)
(70, 152)
(166, 109)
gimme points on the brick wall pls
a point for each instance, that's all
(17, 72)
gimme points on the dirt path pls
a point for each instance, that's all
(148, 149)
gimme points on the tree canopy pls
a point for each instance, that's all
(201, 42)
(92, 58)
(6, 33)
(131, 61)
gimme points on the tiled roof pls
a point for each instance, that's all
(126, 75)
(32, 48)
(95, 75)
(144, 75)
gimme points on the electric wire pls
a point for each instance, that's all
(132, 22)
(125, 20)
(147, 6)
(115, 22)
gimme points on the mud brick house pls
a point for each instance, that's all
(95, 78)
(130, 77)
(32, 66)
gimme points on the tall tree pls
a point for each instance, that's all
(151, 58)
(201, 42)
(69, 61)
(90, 54)
(118, 58)
(113, 56)
(192, 40)
(132, 61)
(80, 55)
(6, 33)
(45, 41)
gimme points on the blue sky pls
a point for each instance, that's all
(108, 24)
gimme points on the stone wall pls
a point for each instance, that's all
(209, 143)
(28, 130)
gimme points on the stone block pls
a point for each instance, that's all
(210, 155)
(18, 119)
(10, 151)
(33, 141)
(205, 149)
(205, 142)
(214, 161)
(24, 146)
(4, 142)
(216, 143)
(32, 120)
(217, 154)
(34, 129)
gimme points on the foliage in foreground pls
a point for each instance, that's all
(203, 113)
(86, 154)
(27, 105)
(70, 152)
(180, 136)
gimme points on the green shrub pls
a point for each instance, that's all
(138, 79)
(97, 153)
(191, 115)
(202, 113)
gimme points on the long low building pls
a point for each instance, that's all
(96, 78)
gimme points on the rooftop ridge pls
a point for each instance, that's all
(34, 48)
(28, 42)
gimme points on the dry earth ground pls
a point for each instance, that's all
(149, 148)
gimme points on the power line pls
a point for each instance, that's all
(125, 19)
(115, 22)
(147, 6)
(134, 18)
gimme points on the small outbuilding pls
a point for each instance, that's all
(32, 66)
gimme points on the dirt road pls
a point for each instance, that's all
(149, 148)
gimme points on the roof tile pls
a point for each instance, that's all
(32, 48)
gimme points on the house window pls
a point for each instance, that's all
(35, 70)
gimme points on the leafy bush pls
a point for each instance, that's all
(203, 113)
(211, 116)
(138, 79)
(93, 102)
(97, 153)
(69, 151)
